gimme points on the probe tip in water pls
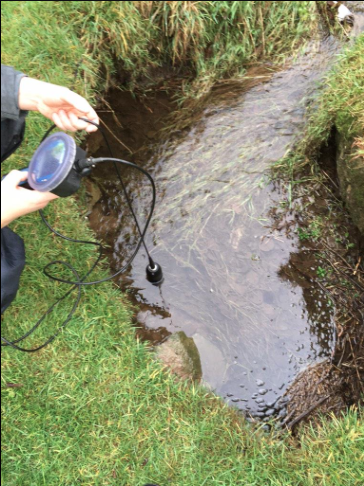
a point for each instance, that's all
(154, 274)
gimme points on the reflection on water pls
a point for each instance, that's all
(234, 284)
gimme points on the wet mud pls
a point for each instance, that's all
(241, 275)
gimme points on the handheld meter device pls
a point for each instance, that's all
(54, 166)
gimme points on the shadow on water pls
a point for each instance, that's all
(239, 285)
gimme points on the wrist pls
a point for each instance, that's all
(7, 218)
(8, 214)
(30, 93)
(5, 222)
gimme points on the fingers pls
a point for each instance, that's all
(76, 122)
(77, 101)
(67, 108)
(37, 200)
(65, 121)
(92, 128)
(15, 177)
(71, 122)
(92, 116)
(81, 108)
(58, 121)
(82, 125)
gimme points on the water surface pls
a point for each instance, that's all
(237, 279)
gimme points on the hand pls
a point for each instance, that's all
(17, 201)
(59, 104)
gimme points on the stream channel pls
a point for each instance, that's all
(213, 231)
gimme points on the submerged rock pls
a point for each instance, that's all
(180, 354)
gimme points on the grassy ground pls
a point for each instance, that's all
(94, 408)
(208, 40)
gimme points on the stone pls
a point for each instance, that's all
(283, 413)
(180, 354)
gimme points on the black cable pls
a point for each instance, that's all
(141, 239)
(80, 281)
(14, 344)
(48, 132)
(151, 262)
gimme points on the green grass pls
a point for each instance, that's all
(209, 40)
(94, 408)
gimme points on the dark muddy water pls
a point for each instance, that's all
(237, 279)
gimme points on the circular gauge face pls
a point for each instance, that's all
(52, 162)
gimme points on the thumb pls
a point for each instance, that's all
(15, 177)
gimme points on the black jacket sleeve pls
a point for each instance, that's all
(12, 132)
(12, 118)
(10, 81)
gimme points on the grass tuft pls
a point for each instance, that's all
(208, 40)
